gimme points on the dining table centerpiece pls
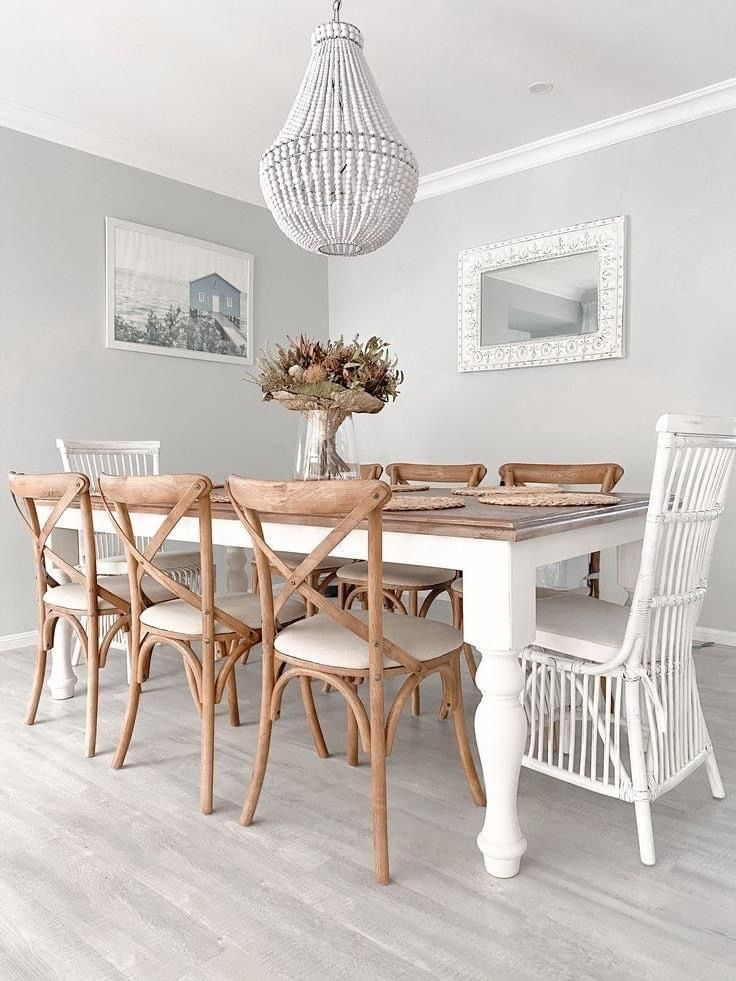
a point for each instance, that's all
(327, 382)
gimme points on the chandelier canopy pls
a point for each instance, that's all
(339, 179)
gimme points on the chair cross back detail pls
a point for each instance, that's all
(357, 501)
(180, 493)
(470, 474)
(63, 489)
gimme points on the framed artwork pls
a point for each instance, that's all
(179, 296)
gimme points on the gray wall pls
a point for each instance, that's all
(57, 378)
(679, 190)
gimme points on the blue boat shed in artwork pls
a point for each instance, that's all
(213, 294)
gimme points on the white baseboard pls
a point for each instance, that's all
(12, 642)
(715, 636)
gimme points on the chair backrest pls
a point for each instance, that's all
(352, 502)
(175, 495)
(605, 475)
(695, 455)
(132, 458)
(370, 471)
(469, 474)
(59, 491)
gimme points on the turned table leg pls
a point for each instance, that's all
(499, 619)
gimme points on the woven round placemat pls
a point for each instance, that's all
(408, 488)
(423, 504)
(507, 491)
(551, 499)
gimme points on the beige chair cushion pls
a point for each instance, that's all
(581, 626)
(323, 641)
(73, 596)
(329, 564)
(180, 617)
(394, 575)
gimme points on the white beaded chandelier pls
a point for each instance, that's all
(339, 179)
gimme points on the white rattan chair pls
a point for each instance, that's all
(611, 694)
(137, 458)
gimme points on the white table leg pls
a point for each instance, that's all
(62, 680)
(237, 577)
(498, 599)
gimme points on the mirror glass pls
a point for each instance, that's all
(547, 298)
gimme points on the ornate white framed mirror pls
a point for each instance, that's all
(550, 298)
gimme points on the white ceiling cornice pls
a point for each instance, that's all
(617, 129)
(47, 126)
(628, 126)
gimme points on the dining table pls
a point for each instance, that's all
(496, 547)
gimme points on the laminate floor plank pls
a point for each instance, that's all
(116, 875)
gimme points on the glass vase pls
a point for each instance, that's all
(326, 448)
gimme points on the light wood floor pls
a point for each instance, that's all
(109, 874)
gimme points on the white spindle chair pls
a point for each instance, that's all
(611, 694)
(134, 458)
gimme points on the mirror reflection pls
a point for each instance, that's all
(547, 298)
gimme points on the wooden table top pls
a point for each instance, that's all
(495, 522)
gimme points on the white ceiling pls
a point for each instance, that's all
(208, 84)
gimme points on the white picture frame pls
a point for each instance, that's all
(149, 270)
(606, 236)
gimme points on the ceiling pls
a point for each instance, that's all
(208, 84)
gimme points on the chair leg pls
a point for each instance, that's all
(38, 677)
(131, 710)
(642, 808)
(352, 747)
(310, 710)
(461, 734)
(265, 726)
(232, 698)
(416, 698)
(457, 622)
(93, 685)
(378, 800)
(445, 700)
(207, 728)
(645, 831)
(714, 776)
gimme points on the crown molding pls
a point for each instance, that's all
(56, 129)
(616, 129)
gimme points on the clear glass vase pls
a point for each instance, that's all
(326, 448)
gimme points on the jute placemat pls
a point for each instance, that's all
(423, 504)
(553, 499)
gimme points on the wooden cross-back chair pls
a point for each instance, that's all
(412, 580)
(227, 625)
(640, 656)
(65, 592)
(603, 475)
(133, 458)
(325, 573)
(340, 647)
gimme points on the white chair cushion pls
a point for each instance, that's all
(394, 575)
(180, 617)
(73, 596)
(323, 641)
(329, 564)
(581, 626)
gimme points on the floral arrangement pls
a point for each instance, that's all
(342, 375)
